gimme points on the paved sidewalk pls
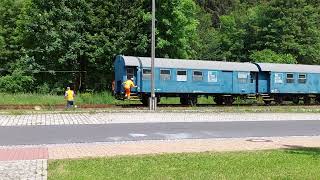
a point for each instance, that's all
(179, 146)
(147, 117)
(66, 151)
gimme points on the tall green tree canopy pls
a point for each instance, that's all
(284, 28)
(177, 28)
(38, 38)
(10, 12)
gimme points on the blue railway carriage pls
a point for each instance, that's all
(290, 82)
(187, 79)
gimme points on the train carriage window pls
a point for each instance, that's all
(243, 77)
(146, 74)
(181, 75)
(165, 74)
(197, 76)
(290, 78)
(130, 72)
(252, 77)
(302, 78)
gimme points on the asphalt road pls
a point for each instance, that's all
(35, 135)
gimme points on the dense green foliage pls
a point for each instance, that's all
(41, 41)
(300, 163)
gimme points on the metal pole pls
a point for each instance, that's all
(153, 101)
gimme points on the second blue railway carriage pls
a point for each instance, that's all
(224, 81)
(289, 82)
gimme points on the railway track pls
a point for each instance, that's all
(139, 106)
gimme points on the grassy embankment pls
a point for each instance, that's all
(48, 102)
(303, 163)
(86, 98)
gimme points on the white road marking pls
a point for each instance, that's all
(137, 135)
(116, 138)
(175, 135)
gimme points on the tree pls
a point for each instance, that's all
(269, 56)
(277, 28)
(176, 29)
(10, 11)
(209, 46)
(217, 8)
(86, 35)
(81, 35)
(287, 27)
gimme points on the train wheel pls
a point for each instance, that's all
(192, 101)
(317, 100)
(228, 100)
(306, 100)
(278, 100)
(183, 101)
(145, 100)
(218, 100)
(295, 100)
(267, 102)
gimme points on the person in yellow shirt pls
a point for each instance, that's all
(127, 85)
(69, 96)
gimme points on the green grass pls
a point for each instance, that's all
(47, 99)
(300, 163)
(49, 102)
(98, 98)
(85, 98)
(30, 99)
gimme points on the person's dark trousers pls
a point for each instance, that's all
(69, 104)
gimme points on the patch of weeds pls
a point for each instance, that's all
(15, 112)
(91, 112)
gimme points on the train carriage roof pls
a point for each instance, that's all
(272, 67)
(189, 64)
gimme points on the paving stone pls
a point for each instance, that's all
(26, 169)
(146, 117)
(11, 154)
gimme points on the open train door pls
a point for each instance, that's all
(132, 73)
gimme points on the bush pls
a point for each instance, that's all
(16, 82)
(43, 89)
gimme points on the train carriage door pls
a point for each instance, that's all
(243, 82)
(264, 82)
(227, 85)
(132, 73)
(253, 82)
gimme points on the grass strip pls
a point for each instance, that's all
(297, 163)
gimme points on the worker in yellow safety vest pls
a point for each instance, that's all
(127, 85)
(69, 96)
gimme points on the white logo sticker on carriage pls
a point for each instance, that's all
(212, 76)
(278, 78)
